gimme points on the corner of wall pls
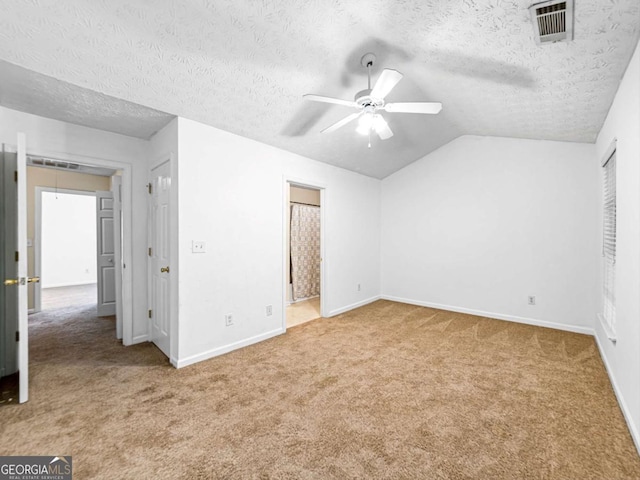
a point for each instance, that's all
(621, 359)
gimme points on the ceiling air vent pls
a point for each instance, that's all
(47, 162)
(44, 162)
(552, 21)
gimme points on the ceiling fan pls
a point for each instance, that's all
(370, 101)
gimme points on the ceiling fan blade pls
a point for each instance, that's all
(413, 107)
(386, 81)
(341, 123)
(382, 128)
(337, 101)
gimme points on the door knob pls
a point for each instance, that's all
(12, 281)
(33, 280)
(164, 269)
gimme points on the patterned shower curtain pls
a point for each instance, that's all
(305, 250)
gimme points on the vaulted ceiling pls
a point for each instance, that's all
(243, 66)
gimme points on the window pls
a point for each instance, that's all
(609, 247)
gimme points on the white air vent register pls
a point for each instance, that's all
(552, 21)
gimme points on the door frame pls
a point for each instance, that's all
(126, 171)
(289, 181)
(37, 237)
(116, 190)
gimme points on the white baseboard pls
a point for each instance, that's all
(139, 339)
(498, 316)
(362, 303)
(623, 405)
(72, 284)
(225, 349)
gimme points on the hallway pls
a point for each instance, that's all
(68, 334)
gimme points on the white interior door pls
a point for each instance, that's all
(116, 189)
(22, 280)
(14, 303)
(160, 260)
(106, 254)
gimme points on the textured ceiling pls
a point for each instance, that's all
(243, 66)
(28, 91)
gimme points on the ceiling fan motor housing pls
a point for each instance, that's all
(364, 99)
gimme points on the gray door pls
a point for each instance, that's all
(8, 264)
(106, 254)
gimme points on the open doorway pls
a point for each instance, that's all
(21, 278)
(304, 272)
(72, 233)
(68, 258)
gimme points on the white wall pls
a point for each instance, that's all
(623, 358)
(68, 240)
(232, 195)
(73, 142)
(484, 222)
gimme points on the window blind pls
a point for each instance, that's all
(609, 244)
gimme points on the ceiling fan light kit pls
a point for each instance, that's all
(371, 100)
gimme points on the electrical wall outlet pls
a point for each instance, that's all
(228, 319)
(531, 300)
(269, 310)
(198, 246)
(358, 287)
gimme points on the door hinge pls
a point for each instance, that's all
(17, 257)
(150, 188)
(15, 176)
(150, 313)
(150, 251)
(17, 336)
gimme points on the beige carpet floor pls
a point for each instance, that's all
(387, 391)
(72, 298)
